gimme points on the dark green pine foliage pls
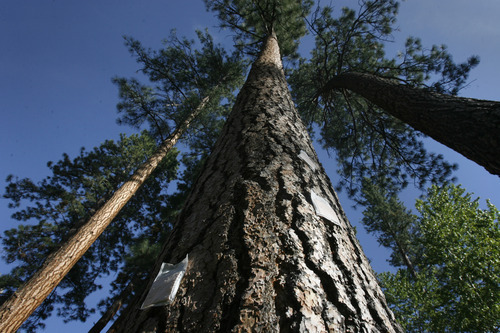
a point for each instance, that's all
(53, 209)
(367, 142)
(179, 76)
(252, 21)
(386, 217)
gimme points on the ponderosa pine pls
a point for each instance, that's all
(261, 258)
(467, 125)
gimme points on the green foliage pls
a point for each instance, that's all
(53, 209)
(393, 224)
(367, 142)
(457, 288)
(252, 21)
(180, 76)
(418, 66)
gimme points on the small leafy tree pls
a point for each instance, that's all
(457, 284)
(386, 216)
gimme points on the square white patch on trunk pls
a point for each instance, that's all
(303, 156)
(323, 208)
(166, 284)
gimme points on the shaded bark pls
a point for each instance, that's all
(32, 293)
(469, 126)
(260, 257)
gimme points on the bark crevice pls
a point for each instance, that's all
(236, 238)
(326, 280)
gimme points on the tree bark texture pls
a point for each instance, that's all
(30, 295)
(469, 126)
(260, 258)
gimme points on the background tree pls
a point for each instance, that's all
(61, 203)
(387, 217)
(468, 126)
(24, 301)
(179, 77)
(458, 283)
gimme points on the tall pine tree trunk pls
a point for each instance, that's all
(20, 305)
(261, 259)
(469, 126)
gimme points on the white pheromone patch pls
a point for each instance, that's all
(166, 284)
(323, 208)
(303, 155)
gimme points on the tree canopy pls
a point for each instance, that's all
(178, 77)
(367, 141)
(252, 21)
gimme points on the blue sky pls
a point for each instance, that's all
(58, 57)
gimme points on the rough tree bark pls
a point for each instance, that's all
(469, 126)
(31, 294)
(260, 257)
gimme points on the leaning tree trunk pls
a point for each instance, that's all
(112, 309)
(469, 126)
(21, 304)
(261, 258)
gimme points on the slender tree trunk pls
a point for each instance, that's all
(404, 255)
(31, 294)
(469, 126)
(261, 259)
(112, 310)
